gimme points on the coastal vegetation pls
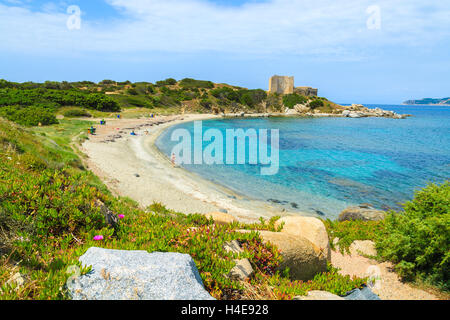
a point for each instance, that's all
(77, 113)
(57, 97)
(168, 96)
(416, 240)
(290, 100)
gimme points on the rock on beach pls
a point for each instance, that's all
(137, 275)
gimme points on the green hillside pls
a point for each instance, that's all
(33, 103)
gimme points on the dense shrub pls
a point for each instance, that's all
(29, 97)
(29, 115)
(167, 100)
(167, 82)
(290, 100)
(107, 82)
(206, 104)
(74, 113)
(192, 83)
(418, 239)
(225, 93)
(316, 104)
(251, 98)
(132, 91)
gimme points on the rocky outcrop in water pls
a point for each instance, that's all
(360, 111)
(353, 111)
(363, 213)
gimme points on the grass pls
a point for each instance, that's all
(346, 232)
(49, 217)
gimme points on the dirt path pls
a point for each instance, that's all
(388, 287)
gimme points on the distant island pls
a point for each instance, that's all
(429, 101)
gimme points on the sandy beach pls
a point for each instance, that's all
(132, 166)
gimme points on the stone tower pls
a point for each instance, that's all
(285, 85)
(281, 85)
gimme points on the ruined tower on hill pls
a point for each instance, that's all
(285, 85)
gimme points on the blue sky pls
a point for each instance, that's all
(354, 51)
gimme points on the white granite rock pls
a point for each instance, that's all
(137, 275)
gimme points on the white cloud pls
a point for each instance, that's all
(328, 28)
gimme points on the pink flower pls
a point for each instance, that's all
(121, 216)
(98, 238)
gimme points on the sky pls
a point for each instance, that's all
(353, 51)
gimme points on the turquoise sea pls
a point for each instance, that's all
(328, 164)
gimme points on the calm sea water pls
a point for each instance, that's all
(328, 164)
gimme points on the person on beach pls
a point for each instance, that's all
(173, 159)
(133, 133)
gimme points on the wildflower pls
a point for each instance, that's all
(98, 238)
(121, 216)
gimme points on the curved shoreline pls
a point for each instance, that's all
(117, 160)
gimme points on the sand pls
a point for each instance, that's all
(117, 157)
(388, 287)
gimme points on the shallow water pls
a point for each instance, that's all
(328, 164)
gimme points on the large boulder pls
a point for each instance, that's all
(318, 295)
(363, 213)
(301, 108)
(355, 115)
(290, 112)
(137, 275)
(310, 228)
(362, 294)
(301, 256)
(242, 270)
(221, 218)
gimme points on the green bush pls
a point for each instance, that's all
(206, 103)
(316, 104)
(418, 239)
(27, 97)
(29, 115)
(75, 113)
(251, 98)
(290, 100)
(225, 93)
(132, 92)
(167, 82)
(189, 83)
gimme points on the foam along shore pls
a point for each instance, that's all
(132, 166)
